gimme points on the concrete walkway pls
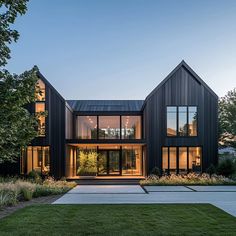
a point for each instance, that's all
(223, 197)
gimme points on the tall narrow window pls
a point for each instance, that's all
(173, 158)
(183, 160)
(165, 159)
(183, 126)
(40, 107)
(171, 121)
(192, 120)
(195, 156)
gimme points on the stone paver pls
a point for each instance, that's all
(214, 188)
(167, 189)
(225, 200)
(99, 189)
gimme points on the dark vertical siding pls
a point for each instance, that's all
(57, 134)
(182, 88)
(69, 123)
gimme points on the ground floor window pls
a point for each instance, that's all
(112, 160)
(181, 159)
(35, 158)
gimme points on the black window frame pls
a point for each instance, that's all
(120, 125)
(177, 122)
(177, 157)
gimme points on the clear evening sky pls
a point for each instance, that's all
(122, 49)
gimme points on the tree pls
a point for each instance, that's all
(17, 125)
(227, 118)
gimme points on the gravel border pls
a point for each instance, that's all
(5, 211)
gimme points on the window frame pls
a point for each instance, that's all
(177, 122)
(120, 126)
(177, 157)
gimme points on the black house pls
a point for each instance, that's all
(174, 129)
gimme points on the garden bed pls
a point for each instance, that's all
(189, 179)
(13, 190)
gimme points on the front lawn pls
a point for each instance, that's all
(154, 219)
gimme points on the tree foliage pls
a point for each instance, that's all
(17, 125)
(227, 118)
(10, 9)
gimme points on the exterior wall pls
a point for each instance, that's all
(69, 123)
(180, 89)
(55, 130)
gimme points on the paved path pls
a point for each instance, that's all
(223, 197)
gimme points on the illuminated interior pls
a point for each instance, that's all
(40, 108)
(113, 159)
(108, 127)
(36, 158)
(181, 159)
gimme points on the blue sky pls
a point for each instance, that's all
(122, 49)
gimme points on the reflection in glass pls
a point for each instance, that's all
(40, 94)
(87, 127)
(192, 119)
(131, 127)
(183, 127)
(171, 121)
(131, 160)
(39, 108)
(109, 127)
(114, 162)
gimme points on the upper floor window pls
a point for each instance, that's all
(108, 127)
(40, 91)
(131, 127)
(171, 121)
(87, 127)
(181, 121)
(40, 107)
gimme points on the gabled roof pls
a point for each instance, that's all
(191, 71)
(106, 105)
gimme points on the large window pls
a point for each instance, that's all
(131, 160)
(181, 159)
(40, 107)
(108, 127)
(181, 121)
(112, 160)
(87, 127)
(36, 158)
(131, 127)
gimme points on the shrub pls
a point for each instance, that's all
(87, 163)
(35, 176)
(211, 170)
(26, 189)
(189, 179)
(8, 194)
(156, 171)
(226, 168)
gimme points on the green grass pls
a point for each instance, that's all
(155, 219)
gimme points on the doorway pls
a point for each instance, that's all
(109, 162)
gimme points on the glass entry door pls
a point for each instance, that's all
(109, 162)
